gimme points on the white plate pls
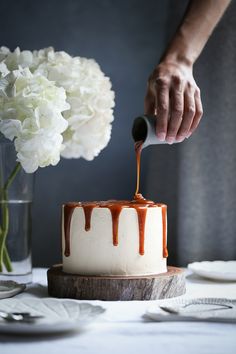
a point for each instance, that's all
(59, 315)
(194, 309)
(217, 270)
(9, 288)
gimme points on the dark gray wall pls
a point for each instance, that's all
(197, 177)
(126, 38)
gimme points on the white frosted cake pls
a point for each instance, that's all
(114, 238)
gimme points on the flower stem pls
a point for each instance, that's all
(7, 260)
(5, 227)
(4, 257)
(13, 174)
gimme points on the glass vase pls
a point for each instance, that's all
(16, 194)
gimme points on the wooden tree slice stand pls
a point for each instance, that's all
(110, 288)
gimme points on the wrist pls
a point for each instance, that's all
(180, 50)
(177, 59)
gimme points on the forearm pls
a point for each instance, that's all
(198, 23)
(172, 94)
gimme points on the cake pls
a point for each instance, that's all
(114, 238)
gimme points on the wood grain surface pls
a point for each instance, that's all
(150, 287)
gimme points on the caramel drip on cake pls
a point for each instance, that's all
(115, 206)
(142, 212)
(88, 208)
(139, 203)
(68, 211)
(164, 227)
(115, 213)
(141, 200)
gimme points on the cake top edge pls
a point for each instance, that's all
(114, 204)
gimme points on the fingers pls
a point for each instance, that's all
(184, 110)
(162, 108)
(188, 115)
(174, 98)
(198, 112)
(176, 112)
(149, 103)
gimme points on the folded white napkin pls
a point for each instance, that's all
(194, 309)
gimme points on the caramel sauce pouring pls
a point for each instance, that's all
(139, 203)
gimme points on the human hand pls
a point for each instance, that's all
(174, 97)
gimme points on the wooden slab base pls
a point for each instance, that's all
(110, 288)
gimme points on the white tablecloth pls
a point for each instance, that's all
(122, 329)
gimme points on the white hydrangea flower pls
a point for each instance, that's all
(31, 109)
(88, 92)
(4, 51)
(90, 97)
(17, 58)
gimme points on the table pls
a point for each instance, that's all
(122, 329)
